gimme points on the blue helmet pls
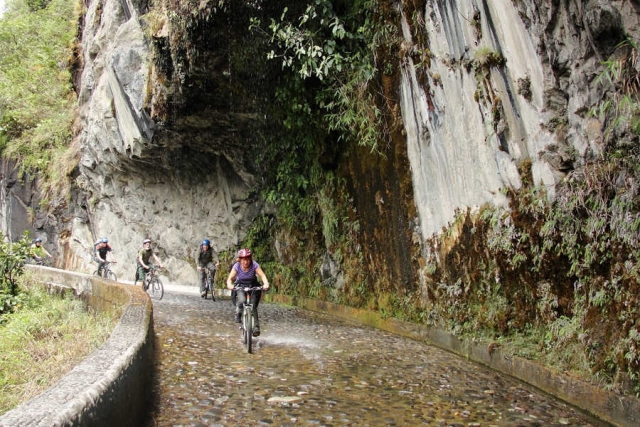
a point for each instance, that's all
(206, 242)
(37, 240)
(105, 240)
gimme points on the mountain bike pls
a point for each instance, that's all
(209, 276)
(248, 320)
(45, 262)
(106, 271)
(152, 283)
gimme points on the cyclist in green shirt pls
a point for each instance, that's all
(38, 252)
(143, 261)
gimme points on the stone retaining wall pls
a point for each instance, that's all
(623, 411)
(111, 386)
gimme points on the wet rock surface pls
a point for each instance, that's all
(309, 369)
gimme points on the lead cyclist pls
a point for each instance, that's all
(246, 272)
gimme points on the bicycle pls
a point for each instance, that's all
(152, 284)
(45, 262)
(248, 320)
(107, 273)
(209, 277)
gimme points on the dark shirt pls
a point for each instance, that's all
(204, 257)
(102, 251)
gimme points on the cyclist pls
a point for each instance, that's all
(142, 261)
(246, 272)
(38, 251)
(101, 251)
(204, 259)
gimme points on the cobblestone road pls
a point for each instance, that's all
(312, 370)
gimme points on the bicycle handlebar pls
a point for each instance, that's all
(247, 288)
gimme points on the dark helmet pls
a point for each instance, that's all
(37, 240)
(105, 240)
(244, 253)
(206, 242)
(146, 241)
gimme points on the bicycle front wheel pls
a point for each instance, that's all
(248, 330)
(157, 289)
(111, 275)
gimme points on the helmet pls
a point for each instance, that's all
(105, 240)
(206, 242)
(146, 241)
(244, 253)
(37, 240)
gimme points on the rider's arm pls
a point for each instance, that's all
(198, 263)
(230, 279)
(157, 260)
(263, 278)
(141, 262)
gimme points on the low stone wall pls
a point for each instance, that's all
(623, 411)
(111, 386)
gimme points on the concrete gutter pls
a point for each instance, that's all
(622, 411)
(111, 386)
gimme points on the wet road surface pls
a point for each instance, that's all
(308, 369)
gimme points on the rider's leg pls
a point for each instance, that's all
(201, 276)
(255, 300)
(241, 297)
(141, 275)
(212, 268)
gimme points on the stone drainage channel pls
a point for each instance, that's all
(309, 369)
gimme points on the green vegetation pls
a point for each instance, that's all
(37, 102)
(621, 110)
(46, 337)
(558, 281)
(338, 50)
(338, 64)
(12, 258)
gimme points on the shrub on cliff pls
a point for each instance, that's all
(37, 101)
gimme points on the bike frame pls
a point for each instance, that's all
(209, 276)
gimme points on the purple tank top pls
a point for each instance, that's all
(246, 277)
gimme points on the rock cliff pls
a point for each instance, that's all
(172, 120)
